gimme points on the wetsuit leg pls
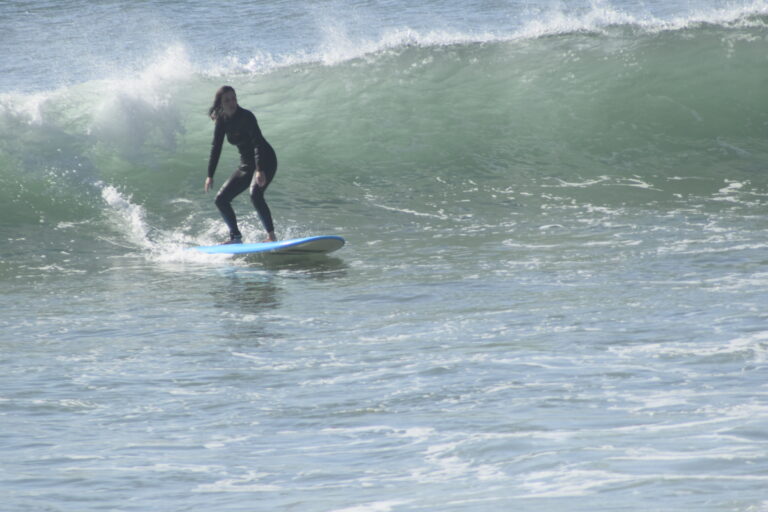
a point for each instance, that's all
(268, 166)
(237, 183)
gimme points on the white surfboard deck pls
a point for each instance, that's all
(309, 245)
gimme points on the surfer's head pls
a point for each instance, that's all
(224, 103)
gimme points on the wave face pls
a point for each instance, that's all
(613, 108)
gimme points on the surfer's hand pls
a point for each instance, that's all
(261, 180)
(208, 184)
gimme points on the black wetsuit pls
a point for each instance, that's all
(243, 131)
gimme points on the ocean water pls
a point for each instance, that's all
(553, 296)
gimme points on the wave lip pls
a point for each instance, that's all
(338, 46)
(601, 17)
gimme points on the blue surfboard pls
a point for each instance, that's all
(309, 245)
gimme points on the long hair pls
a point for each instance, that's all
(215, 111)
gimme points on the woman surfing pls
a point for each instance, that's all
(258, 162)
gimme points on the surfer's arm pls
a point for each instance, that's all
(218, 142)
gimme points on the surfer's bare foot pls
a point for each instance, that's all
(270, 237)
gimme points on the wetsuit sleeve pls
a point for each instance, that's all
(216, 145)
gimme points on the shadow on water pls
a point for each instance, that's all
(249, 296)
(319, 267)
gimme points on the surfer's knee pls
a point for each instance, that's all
(257, 194)
(221, 200)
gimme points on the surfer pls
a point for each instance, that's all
(258, 162)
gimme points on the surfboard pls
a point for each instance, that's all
(308, 245)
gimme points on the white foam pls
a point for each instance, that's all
(731, 187)
(602, 16)
(127, 217)
(129, 221)
(568, 482)
(571, 482)
(376, 506)
(127, 94)
(248, 483)
(29, 108)
(132, 111)
(753, 347)
(727, 453)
